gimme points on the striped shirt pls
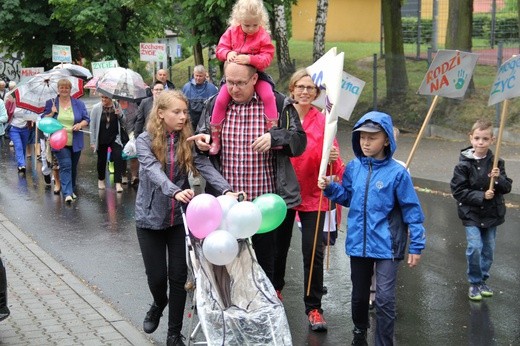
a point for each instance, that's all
(242, 167)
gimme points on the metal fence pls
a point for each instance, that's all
(495, 28)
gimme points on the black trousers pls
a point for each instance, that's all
(3, 286)
(115, 155)
(164, 255)
(283, 242)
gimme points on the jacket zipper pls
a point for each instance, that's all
(367, 183)
(171, 175)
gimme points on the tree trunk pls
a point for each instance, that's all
(285, 65)
(319, 29)
(197, 53)
(213, 64)
(459, 30)
(395, 67)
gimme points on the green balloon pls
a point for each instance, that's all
(49, 125)
(273, 209)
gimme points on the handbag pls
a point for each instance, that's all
(123, 134)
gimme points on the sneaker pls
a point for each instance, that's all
(119, 188)
(316, 321)
(279, 295)
(474, 292)
(175, 340)
(21, 169)
(68, 199)
(74, 196)
(485, 291)
(360, 337)
(101, 184)
(11, 144)
(153, 316)
(124, 180)
(4, 313)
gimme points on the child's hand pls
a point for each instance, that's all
(495, 173)
(323, 182)
(242, 59)
(185, 196)
(231, 56)
(334, 154)
(489, 194)
(413, 260)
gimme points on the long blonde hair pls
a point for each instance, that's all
(245, 9)
(159, 134)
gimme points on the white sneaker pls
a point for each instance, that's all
(101, 184)
(119, 188)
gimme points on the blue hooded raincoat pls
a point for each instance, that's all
(382, 200)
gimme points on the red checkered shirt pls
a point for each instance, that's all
(242, 167)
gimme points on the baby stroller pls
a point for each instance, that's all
(235, 304)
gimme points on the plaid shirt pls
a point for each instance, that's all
(243, 168)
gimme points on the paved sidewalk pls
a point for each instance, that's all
(51, 306)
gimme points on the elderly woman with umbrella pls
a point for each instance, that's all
(72, 113)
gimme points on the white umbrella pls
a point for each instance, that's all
(75, 70)
(32, 93)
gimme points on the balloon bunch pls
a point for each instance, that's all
(59, 136)
(222, 220)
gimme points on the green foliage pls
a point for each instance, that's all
(506, 27)
(94, 29)
(410, 30)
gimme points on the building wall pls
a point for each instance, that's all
(347, 20)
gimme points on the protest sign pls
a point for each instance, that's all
(100, 67)
(61, 53)
(449, 74)
(154, 52)
(507, 81)
(28, 72)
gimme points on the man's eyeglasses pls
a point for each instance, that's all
(301, 88)
(239, 85)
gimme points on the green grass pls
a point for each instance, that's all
(409, 115)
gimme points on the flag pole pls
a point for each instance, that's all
(423, 128)
(499, 139)
(314, 245)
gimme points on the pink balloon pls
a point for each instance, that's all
(203, 215)
(58, 139)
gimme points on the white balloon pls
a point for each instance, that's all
(244, 219)
(220, 247)
(226, 203)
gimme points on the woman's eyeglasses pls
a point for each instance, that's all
(301, 88)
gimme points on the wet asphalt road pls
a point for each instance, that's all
(95, 239)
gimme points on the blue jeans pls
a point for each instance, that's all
(479, 253)
(361, 269)
(68, 162)
(20, 138)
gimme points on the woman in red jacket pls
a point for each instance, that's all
(307, 166)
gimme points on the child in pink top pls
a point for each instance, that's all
(246, 41)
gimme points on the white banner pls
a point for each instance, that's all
(326, 74)
(449, 74)
(507, 81)
(155, 52)
(28, 72)
(100, 67)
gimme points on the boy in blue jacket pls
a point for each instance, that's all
(383, 207)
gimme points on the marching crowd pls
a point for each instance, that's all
(248, 139)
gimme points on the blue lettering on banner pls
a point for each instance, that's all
(318, 79)
(501, 85)
(348, 86)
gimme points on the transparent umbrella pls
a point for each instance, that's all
(122, 84)
(32, 93)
